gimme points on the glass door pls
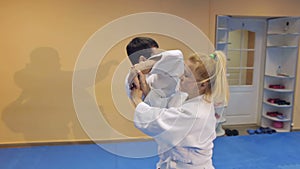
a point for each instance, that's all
(245, 57)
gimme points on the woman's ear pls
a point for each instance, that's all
(204, 84)
(202, 87)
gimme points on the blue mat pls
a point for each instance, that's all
(267, 151)
(264, 151)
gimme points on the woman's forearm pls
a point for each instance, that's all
(136, 101)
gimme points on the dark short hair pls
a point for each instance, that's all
(140, 46)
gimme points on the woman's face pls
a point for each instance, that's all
(188, 82)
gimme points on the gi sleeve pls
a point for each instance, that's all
(153, 120)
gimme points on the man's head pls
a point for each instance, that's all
(140, 46)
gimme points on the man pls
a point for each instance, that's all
(141, 48)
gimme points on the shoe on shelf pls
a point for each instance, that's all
(277, 86)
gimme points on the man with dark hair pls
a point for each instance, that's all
(140, 46)
(163, 70)
(139, 49)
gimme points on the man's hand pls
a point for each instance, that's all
(135, 84)
(142, 83)
(136, 96)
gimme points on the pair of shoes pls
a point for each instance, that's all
(254, 131)
(267, 130)
(274, 114)
(278, 101)
(278, 124)
(261, 130)
(233, 132)
(276, 86)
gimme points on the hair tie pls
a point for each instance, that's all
(213, 56)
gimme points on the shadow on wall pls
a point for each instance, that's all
(44, 110)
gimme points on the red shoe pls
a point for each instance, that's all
(276, 86)
(272, 114)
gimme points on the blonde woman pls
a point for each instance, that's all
(185, 134)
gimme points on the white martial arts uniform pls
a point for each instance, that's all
(184, 134)
(164, 80)
(184, 130)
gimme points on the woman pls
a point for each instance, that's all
(185, 134)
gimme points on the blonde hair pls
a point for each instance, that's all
(212, 69)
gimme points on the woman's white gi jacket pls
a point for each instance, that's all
(184, 134)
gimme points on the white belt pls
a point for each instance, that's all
(167, 164)
(171, 164)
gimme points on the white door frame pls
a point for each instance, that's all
(245, 101)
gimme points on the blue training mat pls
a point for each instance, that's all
(265, 151)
